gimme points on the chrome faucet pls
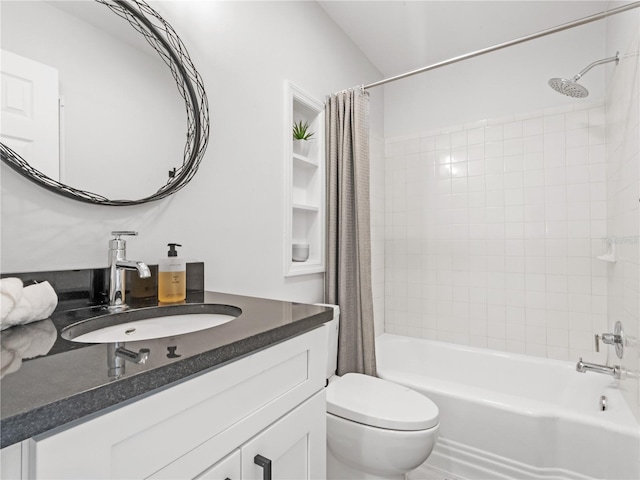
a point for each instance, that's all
(118, 355)
(117, 266)
(617, 339)
(615, 371)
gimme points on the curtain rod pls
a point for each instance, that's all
(533, 36)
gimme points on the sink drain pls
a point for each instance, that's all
(130, 331)
(603, 403)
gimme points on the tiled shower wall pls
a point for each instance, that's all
(623, 188)
(492, 229)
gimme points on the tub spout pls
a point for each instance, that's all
(615, 371)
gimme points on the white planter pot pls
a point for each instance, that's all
(301, 147)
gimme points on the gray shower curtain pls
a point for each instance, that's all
(348, 275)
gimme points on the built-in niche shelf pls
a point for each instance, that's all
(304, 162)
(308, 208)
(305, 184)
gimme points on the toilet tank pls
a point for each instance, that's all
(332, 336)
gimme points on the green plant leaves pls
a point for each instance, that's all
(301, 131)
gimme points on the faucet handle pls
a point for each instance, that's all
(617, 339)
(608, 338)
(118, 233)
(118, 244)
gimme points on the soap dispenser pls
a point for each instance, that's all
(172, 277)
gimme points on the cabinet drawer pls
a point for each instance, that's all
(141, 438)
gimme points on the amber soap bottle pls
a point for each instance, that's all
(172, 277)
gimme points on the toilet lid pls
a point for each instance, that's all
(380, 403)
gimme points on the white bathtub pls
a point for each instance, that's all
(509, 416)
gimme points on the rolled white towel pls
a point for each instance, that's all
(10, 295)
(24, 342)
(37, 303)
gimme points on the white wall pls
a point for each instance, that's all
(231, 215)
(623, 189)
(496, 84)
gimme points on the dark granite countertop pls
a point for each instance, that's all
(72, 381)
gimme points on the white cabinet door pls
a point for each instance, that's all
(11, 462)
(293, 448)
(226, 469)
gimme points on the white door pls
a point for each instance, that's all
(293, 448)
(29, 111)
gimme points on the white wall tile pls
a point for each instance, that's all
(555, 140)
(554, 123)
(443, 141)
(621, 125)
(494, 149)
(513, 130)
(580, 174)
(577, 155)
(533, 160)
(494, 247)
(596, 135)
(577, 138)
(475, 152)
(596, 116)
(577, 119)
(533, 126)
(459, 139)
(494, 133)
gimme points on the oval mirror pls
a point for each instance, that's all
(94, 96)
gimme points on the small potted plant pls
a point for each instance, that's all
(301, 138)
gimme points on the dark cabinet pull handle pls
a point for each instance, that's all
(265, 463)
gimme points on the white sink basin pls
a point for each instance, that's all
(147, 324)
(154, 328)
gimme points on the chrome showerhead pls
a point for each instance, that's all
(569, 88)
(572, 88)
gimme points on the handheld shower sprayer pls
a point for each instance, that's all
(572, 88)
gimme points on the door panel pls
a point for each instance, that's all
(295, 445)
(29, 111)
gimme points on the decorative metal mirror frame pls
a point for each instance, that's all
(165, 41)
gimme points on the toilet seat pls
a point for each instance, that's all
(379, 403)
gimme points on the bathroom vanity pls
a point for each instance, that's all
(241, 400)
(213, 425)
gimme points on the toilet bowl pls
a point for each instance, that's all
(376, 429)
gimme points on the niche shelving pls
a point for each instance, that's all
(304, 184)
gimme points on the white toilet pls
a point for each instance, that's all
(375, 429)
